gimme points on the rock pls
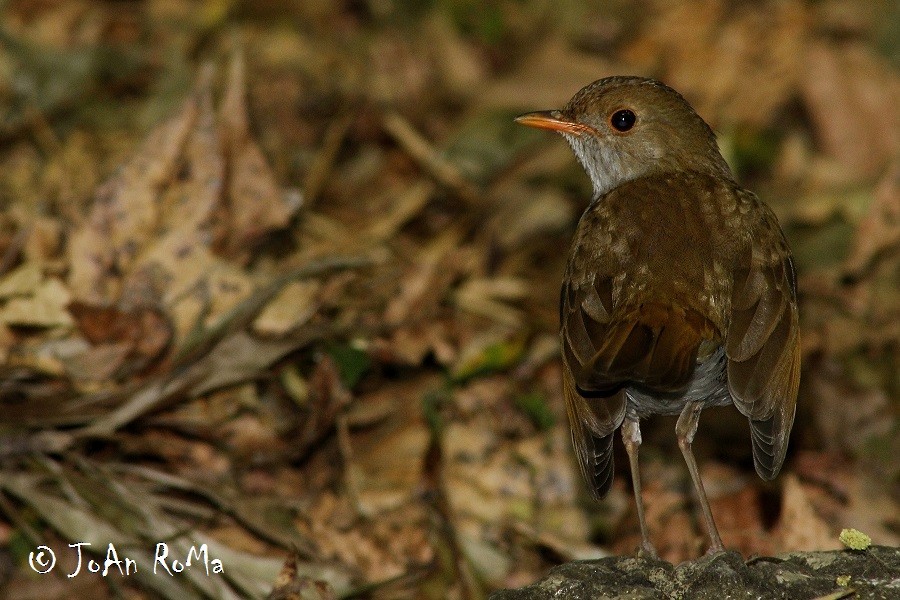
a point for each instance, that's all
(873, 574)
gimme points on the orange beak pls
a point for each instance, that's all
(549, 119)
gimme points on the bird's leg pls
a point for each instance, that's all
(631, 435)
(685, 430)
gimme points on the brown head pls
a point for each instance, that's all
(622, 128)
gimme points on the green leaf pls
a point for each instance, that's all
(431, 408)
(352, 363)
(534, 405)
(491, 358)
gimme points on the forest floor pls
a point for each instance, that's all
(281, 278)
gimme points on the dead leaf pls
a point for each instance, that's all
(125, 213)
(291, 585)
(541, 83)
(290, 309)
(879, 229)
(198, 182)
(144, 331)
(733, 64)
(801, 527)
(847, 416)
(255, 206)
(849, 80)
(46, 308)
(489, 297)
(23, 281)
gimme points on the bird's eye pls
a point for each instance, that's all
(623, 120)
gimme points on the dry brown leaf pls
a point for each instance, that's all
(255, 203)
(426, 282)
(144, 330)
(292, 585)
(489, 297)
(734, 65)
(386, 466)
(410, 345)
(386, 462)
(23, 281)
(396, 72)
(44, 240)
(291, 308)
(801, 527)
(7, 342)
(499, 474)
(525, 214)
(378, 548)
(462, 71)
(199, 181)
(45, 308)
(97, 364)
(403, 208)
(849, 80)
(547, 79)
(847, 417)
(879, 230)
(125, 212)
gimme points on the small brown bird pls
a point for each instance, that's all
(679, 291)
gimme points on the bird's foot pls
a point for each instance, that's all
(715, 548)
(646, 550)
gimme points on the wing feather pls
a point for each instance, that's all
(763, 345)
(593, 423)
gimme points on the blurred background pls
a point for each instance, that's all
(281, 277)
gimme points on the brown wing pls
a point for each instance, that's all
(763, 343)
(592, 420)
(652, 345)
(588, 420)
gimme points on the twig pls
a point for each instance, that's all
(243, 314)
(422, 151)
(181, 376)
(9, 257)
(323, 163)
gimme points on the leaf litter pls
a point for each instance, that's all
(310, 319)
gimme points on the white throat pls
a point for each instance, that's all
(605, 166)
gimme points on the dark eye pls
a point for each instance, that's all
(623, 120)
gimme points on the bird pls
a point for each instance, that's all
(679, 291)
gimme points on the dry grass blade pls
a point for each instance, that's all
(429, 158)
(323, 165)
(242, 511)
(99, 510)
(255, 203)
(190, 372)
(243, 314)
(145, 400)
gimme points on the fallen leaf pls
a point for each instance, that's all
(735, 65)
(23, 281)
(255, 206)
(879, 229)
(46, 308)
(849, 80)
(801, 527)
(290, 309)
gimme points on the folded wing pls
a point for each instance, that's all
(763, 345)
